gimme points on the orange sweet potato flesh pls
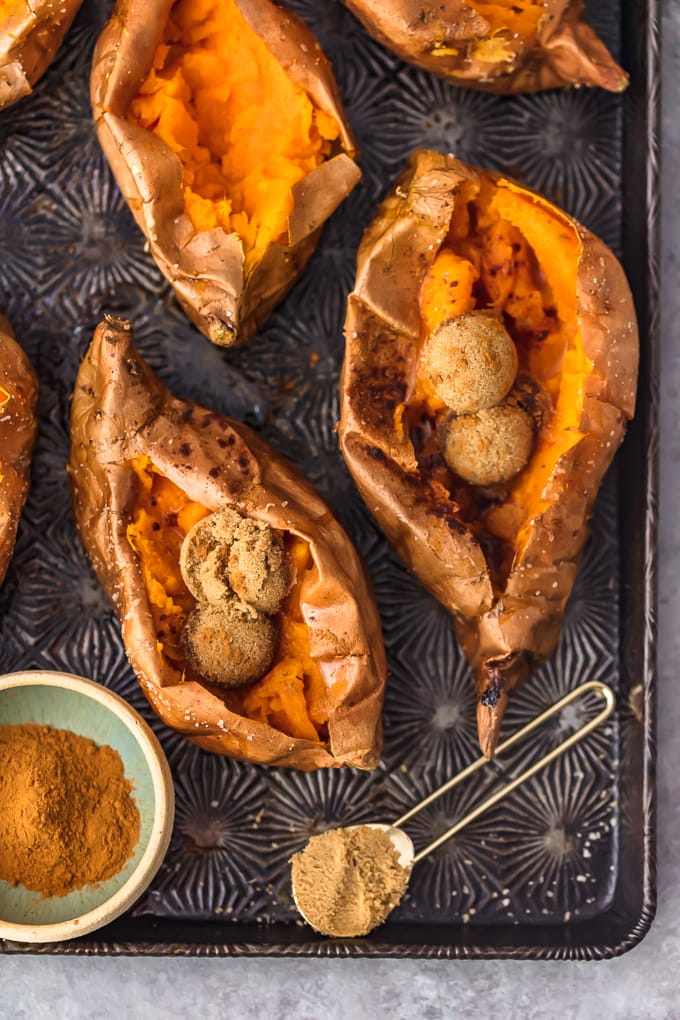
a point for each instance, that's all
(451, 239)
(287, 696)
(495, 45)
(18, 426)
(244, 133)
(144, 467)
(30, 35)
(223, 126)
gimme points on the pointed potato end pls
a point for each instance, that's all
(491, 705)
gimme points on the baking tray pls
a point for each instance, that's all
(565, 867)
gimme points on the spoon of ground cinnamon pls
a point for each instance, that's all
(347, 881)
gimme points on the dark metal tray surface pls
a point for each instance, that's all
(565, 867)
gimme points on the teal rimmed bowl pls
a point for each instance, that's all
(90, 710)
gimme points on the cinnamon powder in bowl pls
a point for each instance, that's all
(67, 814)
(86, 806)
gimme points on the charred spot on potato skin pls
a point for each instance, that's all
(380, 400)
(490, 696)
(185, 450)
(214, 472)
(432, 463)
(447, 512)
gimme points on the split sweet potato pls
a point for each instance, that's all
(18, 426)
(224, 129)
(495, 45)
(31, 32)
(147, 469)
(453, 244)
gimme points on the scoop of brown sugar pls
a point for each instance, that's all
(470, 362)
(228, 645)
(226, 554)
(347, 881)
(258, 571)
(491, 446)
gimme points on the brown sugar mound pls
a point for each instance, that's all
(229, 645)
(67, 816)
(491, 446)
(347, 881)
(204, 556)
(257, 566)
(227, 554)
(470, 362)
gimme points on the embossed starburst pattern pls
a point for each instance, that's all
(61, 609)
(460, 879)
(429, 113)
(213, 864)
(562, 144)
(430, 706)
(71, 249)
(559, 865)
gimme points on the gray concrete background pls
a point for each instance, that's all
(644, 985)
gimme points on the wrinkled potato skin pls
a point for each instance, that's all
(566, 52)
(18, 426)
(122, 410)
(206, 269)
(28, 44)
(517, 626)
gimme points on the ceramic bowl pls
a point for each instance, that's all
(86, 708)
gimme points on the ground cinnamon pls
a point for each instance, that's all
(67, 817)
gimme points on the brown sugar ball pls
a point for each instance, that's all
(258, 571)
(226, 554)
(491, 446)
(470, 362)
(204, 555)
(229, 645)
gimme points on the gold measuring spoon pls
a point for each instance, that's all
(363, 871)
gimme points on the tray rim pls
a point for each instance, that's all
(650, 38)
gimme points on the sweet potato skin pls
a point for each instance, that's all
(121, 410)
(519, 626)
(441, 38)
(18, 427)
(206, 268)
(29, 41)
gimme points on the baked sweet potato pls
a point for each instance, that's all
(224, 129)
(18, 426)
(147, 469)
(495, 45)
(31, 32)
(461, 254)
